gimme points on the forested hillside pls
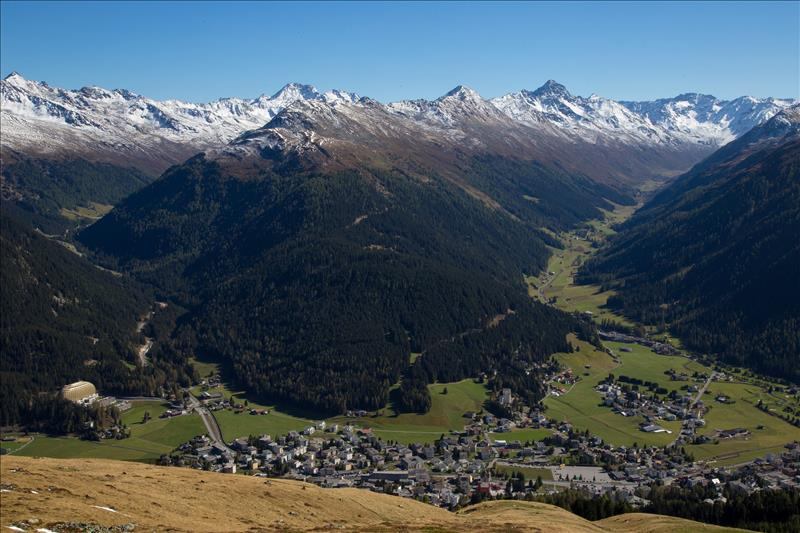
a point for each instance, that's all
(62, 319)
(49, 193)
(715, 255)
(317, 285)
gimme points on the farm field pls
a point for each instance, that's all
(564, 263)
(275, 423)
(204, 368)
(146, 444)
(446, 414)
(643, 363)
(581, 406)
(13, 446)
(93, 211)
(774, 432)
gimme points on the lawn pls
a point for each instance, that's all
(275, 423)
(522, 435)
(446, 414)
(147, 441)
(529, 472)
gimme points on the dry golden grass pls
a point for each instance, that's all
(42, 493)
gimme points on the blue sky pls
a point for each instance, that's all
(203, 51)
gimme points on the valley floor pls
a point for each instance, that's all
(768, 431)
(580, 404)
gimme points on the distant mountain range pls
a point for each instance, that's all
(121, 127)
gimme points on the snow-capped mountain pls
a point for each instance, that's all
(703, 118)
(449, 110)
(123, 127)
(129, 127)
(685, 119)
(594, 119)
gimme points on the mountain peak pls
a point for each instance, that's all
(296, 91)
(786, 121)
(14, 75)
(17, 79)
(462, 92)
(791, 113)
(552, 88)
(695, 97)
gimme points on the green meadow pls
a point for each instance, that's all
(148, 441)
(446, 414)
(581, 405)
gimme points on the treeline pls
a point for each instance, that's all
(316, 287)
(49, 413)
(511, 352)
(768, 510)
(586, 505)
(772, 511)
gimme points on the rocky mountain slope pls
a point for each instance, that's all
(715, 254)
(64, 152)
(81, 494)
(125, 128)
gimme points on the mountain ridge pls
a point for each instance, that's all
(119, 125)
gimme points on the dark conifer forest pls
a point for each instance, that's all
(715, 257)
(63, 319)
(316, 287)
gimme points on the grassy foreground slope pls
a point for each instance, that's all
(109, 493)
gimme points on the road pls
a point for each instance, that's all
(212, 427)
(549, 281)
(143, 349)
(22, 447)
(702, 390)
(693, 403)
(148, 342)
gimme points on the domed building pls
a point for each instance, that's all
(79, 392)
